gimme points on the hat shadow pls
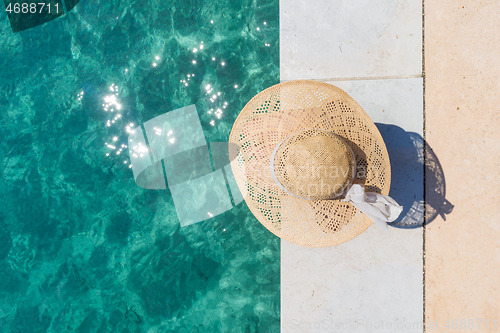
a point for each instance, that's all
(412, 159)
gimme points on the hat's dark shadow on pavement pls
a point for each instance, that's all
(408, 165)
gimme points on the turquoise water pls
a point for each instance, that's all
(82, 247)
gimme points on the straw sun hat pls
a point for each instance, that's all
(307, 152)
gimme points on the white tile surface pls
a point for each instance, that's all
(325, 39)
(374, 282)
(391, 101)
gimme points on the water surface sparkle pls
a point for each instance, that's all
(82, 248)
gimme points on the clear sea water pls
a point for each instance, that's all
(82, 247)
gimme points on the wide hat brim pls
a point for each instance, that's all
(276, 113)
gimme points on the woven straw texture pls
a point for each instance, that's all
(314, 164)
(272, 116)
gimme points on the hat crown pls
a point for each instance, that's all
(314, 164)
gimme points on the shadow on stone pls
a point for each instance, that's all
(435, 188)
(409, 166)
